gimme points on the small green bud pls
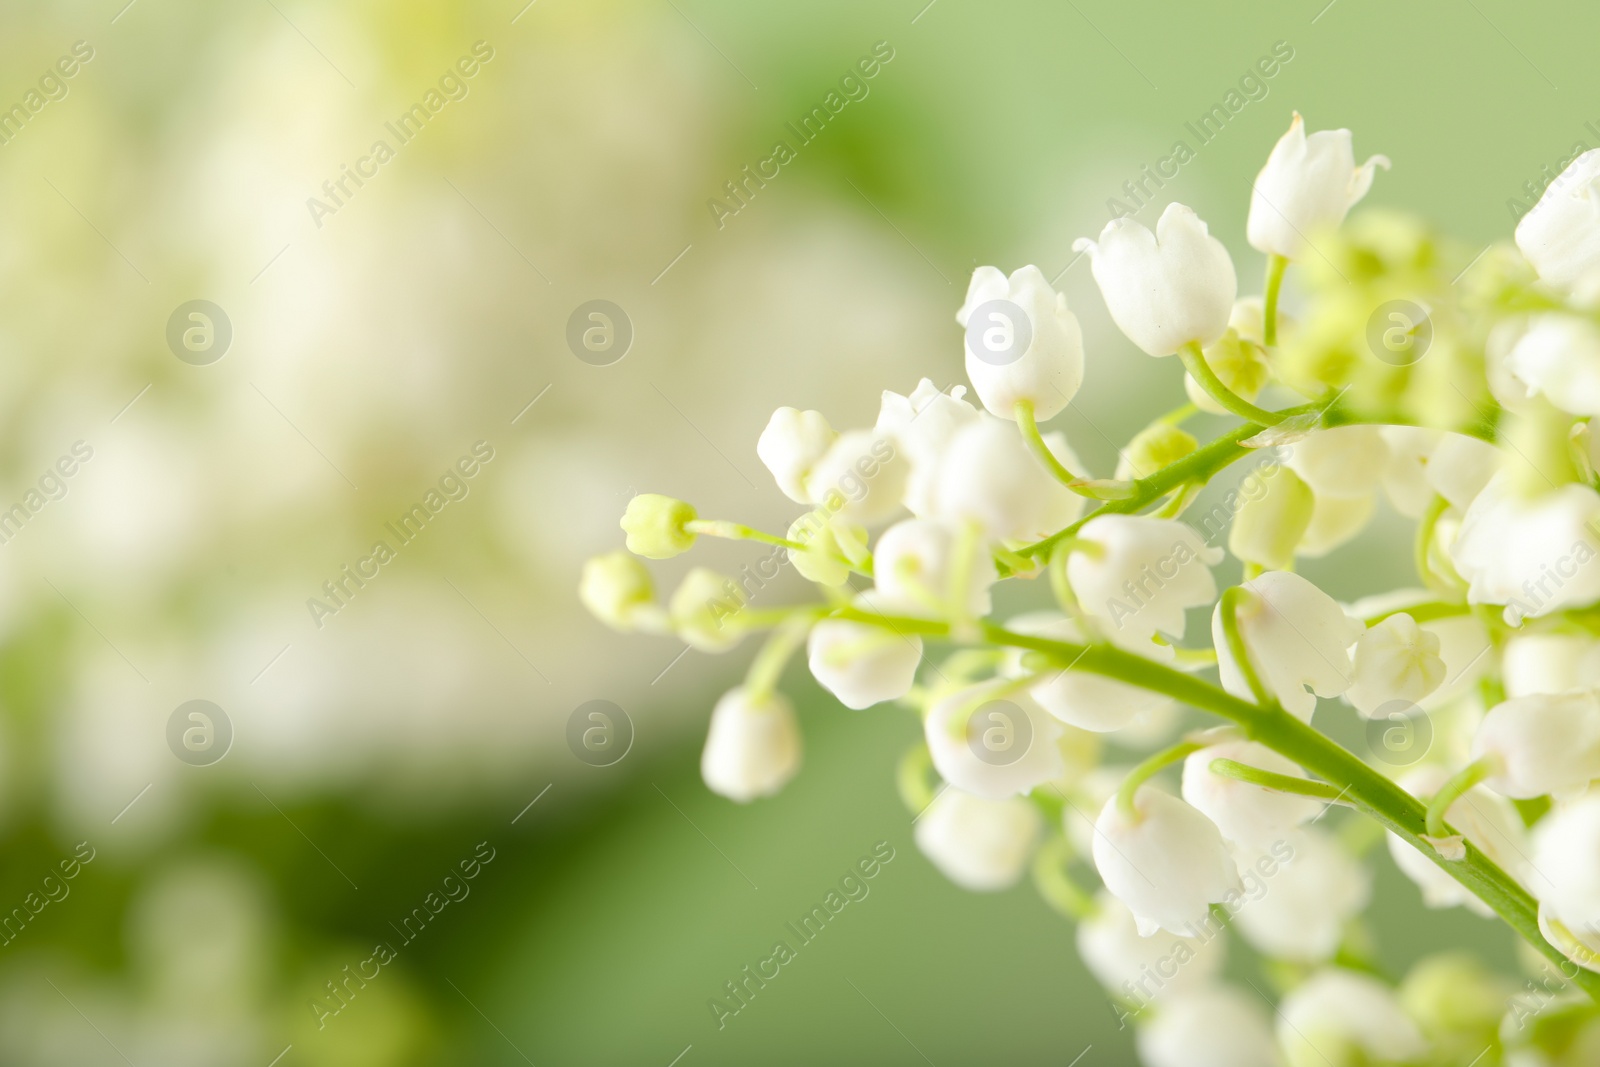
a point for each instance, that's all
(616, 589)
(1457, 1000)
(1153, 448)
(655, 526)
(822, 561)
(1275, 509)
(705, 610)
(1240, 364)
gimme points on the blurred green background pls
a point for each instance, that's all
(373, 346)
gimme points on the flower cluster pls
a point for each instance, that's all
(1458, 391)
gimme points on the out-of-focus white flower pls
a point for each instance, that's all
(1218, 1026)
(791, 445)
(1139, 575)
(1309, 184)
(1165, 289)
(1535, 555)
(655, 526)
(1565, 874)
(753, 746)
(705, 609)
(979, 843)
(1543, 744)
(1269, 525)
(1248, 816)
(1344, 1018)
(1089, 794)
(1550, 663)
(1394, 660)
(861, 477)
(1559, 358)
(988, 475)
(990, 743)
(1165, 861)
(823, 558)
(616, 589)
(1298, 639)
(1484, 818)
(1405, 476)
(1302, 912)
(1141, 969)
(1022, 342)
(1561, 235)
(916, 564)
(1080, 698)
(1460, 466)
(1334, 521)
(923, 424)
(1342, 461)
(862, 664)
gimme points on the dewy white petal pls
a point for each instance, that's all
(1550, 663)
(1396, 660)
(978, 843)
(1079, 698)
(916, 563)
(862, 664)
(1344, 461)
(1308, 185)
(988, 476)
(1217, 1026)
(791, 445)
(1298, 638)
(1049, 368)
(1139, 577)
(1535, 556)
(1485, 818)
(1164, 289)
(1143, 969)
(1167, 863)
(1301, 908)
(923, 425)
(1542, 744)
(1559, 358)
(1249, 816)
(861, 478)
(1560, 236)
(992, 743)
(1336, 1008)
(753, 746)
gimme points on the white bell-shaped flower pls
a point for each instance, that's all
(1405, 476)
(1464, 643)
(1298, 638)
(992, 742)
(1250, 817)
(1164, 860)
(1305, 904)
(1394, 660)
(1342, 461)
(1341, 1017)
(1165, 289)
(1080, 698)
(1138, 969)
(923, 425)
(1138, 575)
(1217, 1026)
(753, 746)
(1558, 357)
(861, 478)
(862, 664)
(1483, 817)
(1534, 555)
(791, 445)
(1561, 235)
(1460, 466)
(988, 476)
(917, 564)
(1022, 342)
(1335, 521)
(1550, 663)
(1309, 183)
(1565, 867)
(1546, 744)
(979, 843)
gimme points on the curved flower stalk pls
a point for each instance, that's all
(1493, 660)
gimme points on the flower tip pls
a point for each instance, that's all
(1379, 160)
(1084, 244)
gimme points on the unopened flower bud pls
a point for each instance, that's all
(860, 663)
(1271, 521)
(753, 746)
(1394, 660)
(617, 590)
(655, 526)
(1153, 448)
(1215, 1026)
(978, 843)
(1164, 860)
(705, 610)
(1038, 359)
(791, 445)
(1339, 1018)
(1239, 363)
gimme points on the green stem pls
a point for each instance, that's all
(1147, 770)
(911, 778)
(1452, 791)
(1234, 598)
(1276, 265)
(1425, 611)
(1056, 886)
(1099, 490)
(1194, 361)
(767, 667)
(1280, 783)
(1425, 527)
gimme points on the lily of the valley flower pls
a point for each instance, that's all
(1343, 461)
(979, 843)
(861, 477)
(1137, 576)
(1481, 816)
(791, 445)
(1548, 744)
(1079, 698)
(1558, 357)
(918, 564)
(1216, 1026)
(988, 476)
(1126, 963)
(616, 589)
(1394, 660)
(1309, 184)
(860, 663)
(1561, 235)
(991, 742)
(923, 425)
(753, 746)
(1251, 817)
(1345, 1018)
(1308, 901)
(1037, 358)
(1165, 289)
(1534, 555)
(1550, 663)
(1298, 639)
(1164, 860)
(1566, 862)
(656, 526)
